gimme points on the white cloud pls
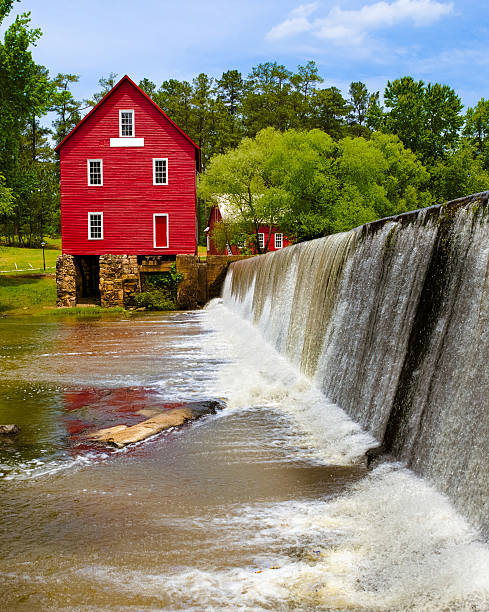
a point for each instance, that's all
(296, 23)
(353, 26)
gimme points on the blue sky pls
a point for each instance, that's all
(445, 41)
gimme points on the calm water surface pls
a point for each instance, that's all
(264, 506)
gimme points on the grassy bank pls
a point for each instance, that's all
(17, 260)
(26, 295)
(36, 295)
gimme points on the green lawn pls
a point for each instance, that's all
(18, 260)
(30, 295)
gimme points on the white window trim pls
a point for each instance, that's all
(127, 110)
(101, 225)
(261, 240)
(167, 230)
(281, 240)
(155, 159)
(101, 173)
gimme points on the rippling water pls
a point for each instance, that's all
(264, 506)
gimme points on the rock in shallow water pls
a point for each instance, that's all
(9, 430)
(121, 435)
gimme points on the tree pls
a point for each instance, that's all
(202, 103)
(5, 8)
(65, 106)
(174, 97)
(427, 118)
(6, 198)
(237, 181)
(375, 116)
(266, 98)
(310, 186)
(106, 84)
(148, 87)
(230, 89)
(26, 93)
(459, 174)
(329, 111)
(476, 130)
(304, 83)
(359, 101)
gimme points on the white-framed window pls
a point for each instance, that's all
(261, 240)
(126, 123)
(95, 225)
(160, 171)
(95, 172)
(160, 231)
(279, 241)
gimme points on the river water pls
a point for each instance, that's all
(265, 506)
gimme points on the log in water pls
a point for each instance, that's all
(392, 320)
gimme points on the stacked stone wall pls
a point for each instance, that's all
(120, 279)
(66, 281)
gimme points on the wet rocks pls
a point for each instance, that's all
(9, 430)
(122, 435)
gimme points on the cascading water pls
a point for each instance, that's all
(392, 321)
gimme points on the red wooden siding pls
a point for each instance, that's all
(128, 199)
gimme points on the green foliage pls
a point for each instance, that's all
(159, 290)
(310, 185)
(5, 8)
(6, 198)
(460, 174)
(476, 130)
(218, 113)
(26, 157)
(154, 300)
(427, 118)
(66, 107)
(359, 101)
(105, 84)
(232, 234)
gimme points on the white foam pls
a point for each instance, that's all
(392, 544)
(255, 374)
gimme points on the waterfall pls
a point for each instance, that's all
(392, 322)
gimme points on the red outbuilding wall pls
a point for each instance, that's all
(128, 199)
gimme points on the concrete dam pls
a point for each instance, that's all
(391, 320)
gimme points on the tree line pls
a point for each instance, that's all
(417, 139)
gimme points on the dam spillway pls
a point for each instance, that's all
(391, 320)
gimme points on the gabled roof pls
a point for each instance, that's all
(125, 78)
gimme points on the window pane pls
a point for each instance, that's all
(160, 168)
(95, 225)
(126, 123)
(95, 173)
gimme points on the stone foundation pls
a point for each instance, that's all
(120, 278)
(66, 275)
